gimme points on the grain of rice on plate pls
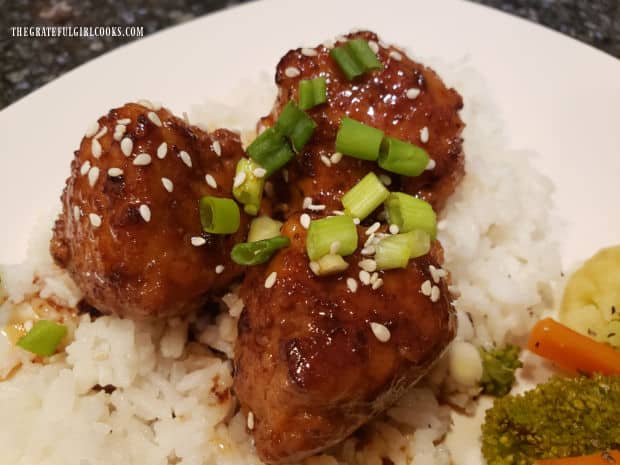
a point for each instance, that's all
(125, 392)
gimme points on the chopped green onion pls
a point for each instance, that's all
(270, 150)
(255, 253)
(365, 197)
(296, 125)
(329, 264)
(247, 187)
(393, 252)
(409, 213)
(335, 234)
(219, 215)
(355, 58)
(43, 338)
(312, 92)
(263, 227)
(402, 157)
(358, 140)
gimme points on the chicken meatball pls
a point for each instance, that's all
(317, 357)
(405, 99)
(130, 233)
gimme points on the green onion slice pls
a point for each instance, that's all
(263, 227)
(219, 215)
(255, 253)
(296, 125)
(402, 157)
(312, 92)
(358, 140)
(409, 213)
(249, 190)
(393, 252)
(270, 150)
(43, 338)
(327, 234)
(355, 58)
(365, 197)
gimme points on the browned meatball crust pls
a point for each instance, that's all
(308, 367)
(385, 99)
(130, 211)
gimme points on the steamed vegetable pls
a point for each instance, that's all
(498, 369)
(571, 350)
(591, 302)
(560, 418)
(44, 337)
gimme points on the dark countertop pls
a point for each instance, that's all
(27, 64)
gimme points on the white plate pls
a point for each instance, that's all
(555, 95)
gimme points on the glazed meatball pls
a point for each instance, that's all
(317, 357)
(129, 232)
(405, 99)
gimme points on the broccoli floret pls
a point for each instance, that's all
(560, 418)
(498, 369)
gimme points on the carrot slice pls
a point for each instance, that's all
(600, 458)
(571, 350)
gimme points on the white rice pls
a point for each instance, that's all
(171, 402)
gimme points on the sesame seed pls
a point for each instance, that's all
(385, 179)
(335, 158)
(370, 241)
(126, 146)
(95, 148)
(76, 212)
(377, 284)
(93, 175)
(326, 161)
(154, 118)
(250, 421)
(328, 43)
(352, 284)
(334, 247)
(120, 128)
(370, 250)
(115, 172)
(219, 269)
(341, 39)
(145, 212)
(373, 229)
(102, 132)
(162, 150)
(315, 267)
(424, 135)
(259, 172)
(395, 55)
(435, 293)
(364, 277)
(356, 221)
(156, 106)
(119, 133)
(430, 165)
(85, 167)
(271, 280)
(304, 220)
(374, 277)
(95, 219)
(434, 273)
(124, 121)
(211, 181)
(307, 202)
(167, 183)
(146, 103)
(368, 265)
(309, 52)
(186, 158)
(197, 241)
(394, 229)
(239, 179)
(380, 332)
(92, 129)
(316, 208)
(338, 213)
(217, 148)
(374, 46)
(142, 159)
(413, 93)
(426, 288)
(292, 72)
(441, 225)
